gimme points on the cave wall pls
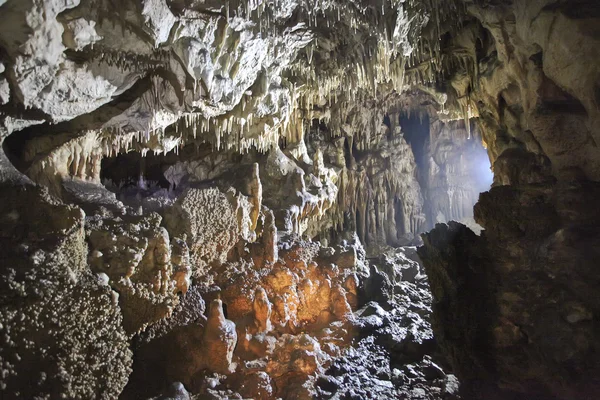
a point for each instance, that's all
(514, 308)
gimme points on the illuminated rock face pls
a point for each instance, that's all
(199, 198)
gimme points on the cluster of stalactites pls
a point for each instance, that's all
(81, 157)
(381, 209)
(239, 133)
(377, 67)
(380, 66)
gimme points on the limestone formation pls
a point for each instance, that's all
(135, 255)
(219, 340)
(262, 311)
(505, 272)
(540, 130)
(61, 326)
(210, 222)
(279, 161)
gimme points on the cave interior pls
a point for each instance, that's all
(283, 199)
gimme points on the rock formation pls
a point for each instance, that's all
(219, 340)
(62, 331)
(513, 308)
(218, 199)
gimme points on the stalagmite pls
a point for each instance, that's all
(219, 340)
(262, 310)
(255, 193)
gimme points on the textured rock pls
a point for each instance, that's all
(388, 358)
(535, 237)
(220, 339)
(296, 291)
(240, 152)
(539, 132)
(209, 220)
(61, 329)
(190, 310)
(262, 311)
(135, 254)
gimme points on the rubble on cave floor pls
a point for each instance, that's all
(393, 354)
(383, 350)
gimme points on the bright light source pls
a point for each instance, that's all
(482, 170)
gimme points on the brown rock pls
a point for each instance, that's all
(219, 340)
(262, 311)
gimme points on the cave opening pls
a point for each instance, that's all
(139, 179)
(453, 167)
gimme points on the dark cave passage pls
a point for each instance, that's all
(133, 169)
(416, 132)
